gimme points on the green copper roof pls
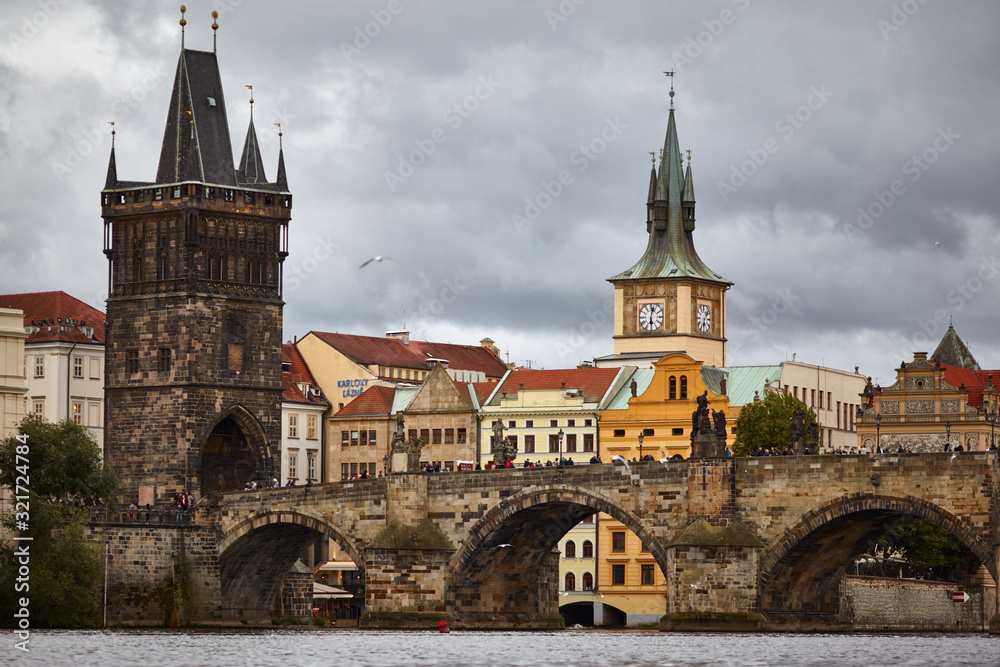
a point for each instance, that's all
(670, 252)
(743, 381)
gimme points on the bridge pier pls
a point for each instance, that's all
(712, 580)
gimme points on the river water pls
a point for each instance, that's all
(309, 647)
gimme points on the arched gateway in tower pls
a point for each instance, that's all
(195, 303)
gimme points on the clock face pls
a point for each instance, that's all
(651, 316)
(704, 318)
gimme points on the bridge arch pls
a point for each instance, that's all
(506, 572)
(257, 553)
(801, 572)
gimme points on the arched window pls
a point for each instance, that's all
(588, 549)
(570, 582)
(588, 581)
(684, 386)
(571, 549)
(673, 387)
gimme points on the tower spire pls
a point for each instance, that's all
(183, 23)
(251, 169)
(112, 178)
(215, 28)
(282, 179)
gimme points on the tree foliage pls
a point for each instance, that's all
(929, 548)
(765, 424)
(61, 468)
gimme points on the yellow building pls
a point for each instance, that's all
(578, 573)
(631, 587)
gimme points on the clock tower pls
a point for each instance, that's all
(669, 301)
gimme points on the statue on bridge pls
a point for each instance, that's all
(503, 449)
(797, 433)
(706, 441)
(405, 452)
(719, 418)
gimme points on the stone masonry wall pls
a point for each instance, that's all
(910, 605)
(709, 579)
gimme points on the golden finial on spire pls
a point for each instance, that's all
(689, 155)
(652, 156)
(112, 124)
(278, 125)
(215, 28)
(250, 88)
(671, 75)
(183, 23)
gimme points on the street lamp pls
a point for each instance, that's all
(991, 417)
(947, 436)
(641, 437)
(878, 427)
(560, 434)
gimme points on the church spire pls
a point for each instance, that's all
(687, 198)
(282, 181)
(251, 169)
(112, 179)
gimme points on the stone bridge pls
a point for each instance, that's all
(745, 543)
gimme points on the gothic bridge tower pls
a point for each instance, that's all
(669, 301)
(193, 370)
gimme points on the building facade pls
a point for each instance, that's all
(193, 365)
(303, 410)
(13, 383)
(63, 358)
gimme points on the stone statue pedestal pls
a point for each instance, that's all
(706, 446)
(399, 462)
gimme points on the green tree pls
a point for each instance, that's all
(60, 466)
(764, 424)
(928, 547)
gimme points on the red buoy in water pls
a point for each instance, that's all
(443, 626)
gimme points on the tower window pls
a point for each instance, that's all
(175, 192)
(673, 388)
(139, 196)
(164, 359)
(228, 195)
(248, 198)
(158, 194)
(131, 361)
(684, 387)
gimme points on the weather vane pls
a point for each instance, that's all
(215, 28)
(112, 124)
(278, 125)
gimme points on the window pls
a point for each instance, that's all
(795, 391)
(513, 441)
(461, 436)
(78, 367)
(131, 361)
(829, 400)
(354, 470)
(354, 438)
(363, 442)
(38, 407)
(345, 471)
(449, 436)
(407, 373)
(618, 543)
(139, 196)
(619, 433)
(529, 423)
(618, 575)
(412, 433)
(39, 367)
(570, 422)
(77, 412)
(588, 422)
(673, 388)
(588, 442)
(838, 414)
(676, 431)
(512, 424)
(529, 444)
(570, 582)
(345, 438)
(293, 465)
(249, 198)
(164, 359)
(684, 387)
(812, 397)
(554, 423)
(175, 192)
(820, 406)
(312, 467)
(571, 442)
(436, 436)
(371, 469)
(648, 431)
(425, 435)
(570, 549)
(553, 442)
(371, 437)
(158, 194)
(646, 574)
(588, 549)
(588, 581)
(311, 427)
(293, 426)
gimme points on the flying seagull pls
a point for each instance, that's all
(377, 258)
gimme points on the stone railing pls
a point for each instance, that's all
(154, 516)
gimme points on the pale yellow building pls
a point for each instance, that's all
(578, 573)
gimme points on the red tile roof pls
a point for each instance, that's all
(373, 401)
(299, 374)
(52, 311)
(593, 382)
(483, 390)
(300, 370)
(974, 381)
(391, 352)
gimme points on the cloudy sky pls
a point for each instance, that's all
(845, 160)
